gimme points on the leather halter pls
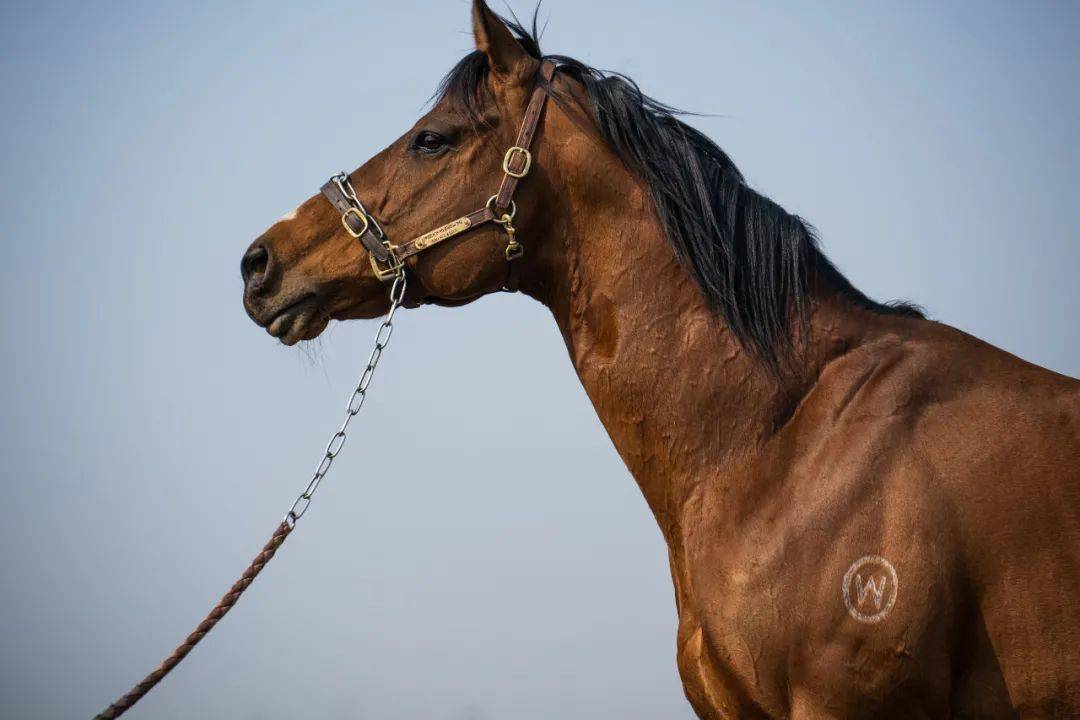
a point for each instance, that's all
(387, 259)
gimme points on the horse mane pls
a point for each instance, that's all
(754, 262)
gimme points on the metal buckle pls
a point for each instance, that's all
(363, 219)
(392, 271)
(509, 156)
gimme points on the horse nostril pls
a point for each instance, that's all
(253, 266)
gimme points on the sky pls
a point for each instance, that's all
(504, 565)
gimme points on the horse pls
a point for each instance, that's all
(868, 513)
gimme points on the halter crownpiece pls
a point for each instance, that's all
(387, 259)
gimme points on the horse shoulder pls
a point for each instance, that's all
(961, 462)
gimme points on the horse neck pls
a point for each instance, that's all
(680, 398)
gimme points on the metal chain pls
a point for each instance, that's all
(352, 408)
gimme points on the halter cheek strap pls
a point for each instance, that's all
(388, 260)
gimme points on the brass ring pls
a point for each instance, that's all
(505, 218)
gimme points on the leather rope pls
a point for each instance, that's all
(121, 706)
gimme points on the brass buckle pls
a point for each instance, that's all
(359, 214)
(393, 269)
(514, 250)
(509, 156)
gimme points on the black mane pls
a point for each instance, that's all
(753, 261)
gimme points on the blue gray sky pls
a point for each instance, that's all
(506, 565)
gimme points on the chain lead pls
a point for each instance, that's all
(352, 407)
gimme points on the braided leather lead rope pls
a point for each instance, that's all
(119, 707)
(299, 507)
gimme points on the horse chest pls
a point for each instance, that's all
(736, 601)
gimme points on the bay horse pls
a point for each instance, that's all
(868, 514)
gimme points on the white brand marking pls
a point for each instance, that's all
(873, 580)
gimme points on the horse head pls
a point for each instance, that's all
(424, 203)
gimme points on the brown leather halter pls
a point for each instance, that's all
(388, 260)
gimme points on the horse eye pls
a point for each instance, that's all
(427, 141)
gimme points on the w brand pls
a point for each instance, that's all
(869, 588)
(877, 586)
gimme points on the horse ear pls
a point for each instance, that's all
(495, 40)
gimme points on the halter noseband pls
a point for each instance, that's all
(387, 259)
